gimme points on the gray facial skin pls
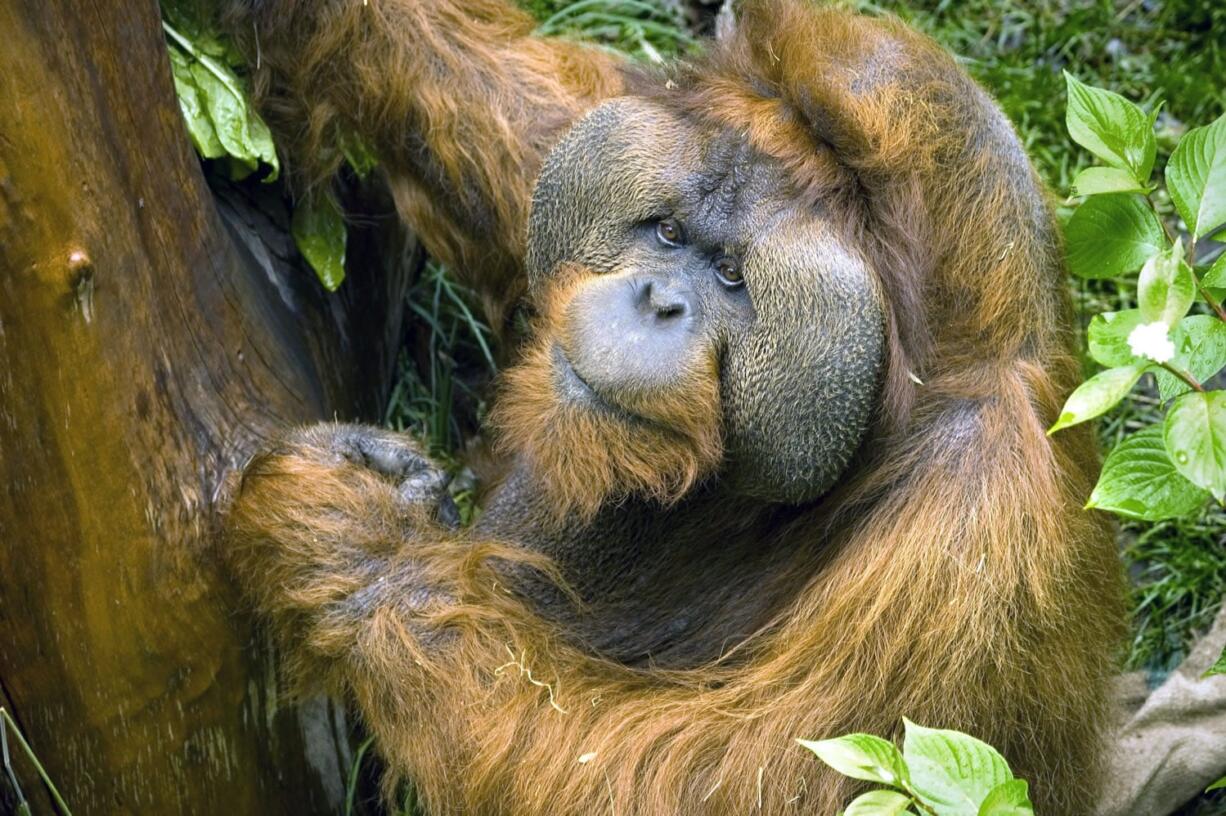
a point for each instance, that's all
(799, 343)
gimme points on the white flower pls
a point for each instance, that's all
(1152, 341)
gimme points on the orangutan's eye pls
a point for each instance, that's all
(728, 269)
(669, 232)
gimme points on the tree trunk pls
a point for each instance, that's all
(150, 336)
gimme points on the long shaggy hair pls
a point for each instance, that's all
(952, 578)
(582, 458)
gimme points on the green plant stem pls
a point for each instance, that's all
(1190, 257)
(919, 804)
(1213, 304)
(11, 725)
(202, 58)
(352, 788)
(1185, 376)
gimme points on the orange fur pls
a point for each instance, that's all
(458, 101)
(953, 578)
(584, 459)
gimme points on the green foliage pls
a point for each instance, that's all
(318, 227)
(214, 103)
(1218, 667)
(1195, 437)
(437, 396)
(1107, 337)
(1215, 276)
(1140, 50)
(1109, 235)
(223, 126)
(940, 773)
(1200, 349)
(878, 803)
(861, 756)
(1178, 569)
(1112, 235)
(1196, 178)
(1139, 481)
(644, 29)
(1166, 287)
(1099, 394)
(1112, 128)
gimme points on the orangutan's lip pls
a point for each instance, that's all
(571, 385)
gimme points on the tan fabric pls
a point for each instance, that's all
(1174, 744)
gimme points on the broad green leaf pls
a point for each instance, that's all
(1218, 667)
(1097, 395)
(1195, 436)
(1216, 276)
(1098, 180)
(861, 756)
(239, 129)
(1200, 349)
(878, 803)
(1221, 783)
(950, 771)
(1166, 288)
(1112, 128)
(262, 144)
(225, 106)
(1112, 235)
(199, 126)
(1008, 799)
(1108, 337)
(319, 231)
(236, 125)
(1196, 177)
(1139, 481)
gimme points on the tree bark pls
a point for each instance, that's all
(151, 334)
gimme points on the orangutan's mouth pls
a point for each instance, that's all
(577, 391)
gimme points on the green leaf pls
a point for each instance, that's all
(1108, 337)
(228, 112)
(1139, 481)
(1098, 180)
(861, 756)
(199, 126)
(1195, 435)
(239, 129)
(359, 155)
(1218, 667)
(1196, 177)
(1008, 799)
(1215, 277)
(1200, 349)
(1112, 128)
(1221, 783)
(1112, 235)
(878, 803)
(950, 771)
(198, 23)
(1166, 288)
(1097, 395)
(262, 144)
(319, 231)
